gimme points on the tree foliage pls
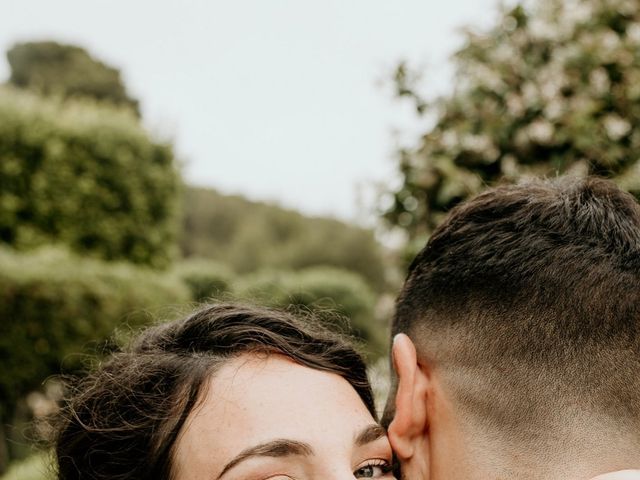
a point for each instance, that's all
(249, 236)
(68, 71)
(55, 306)
(552, 88)
(86, 175)
(205, 279)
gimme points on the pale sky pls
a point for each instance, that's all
(278, 100)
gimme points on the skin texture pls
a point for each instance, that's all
(621, 475)
(256, 400)
(424, 432)
(432, 440)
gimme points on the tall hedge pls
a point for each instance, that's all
(87, 175)
(55, 306)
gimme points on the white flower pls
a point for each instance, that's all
(509, 165)
(579, 169)
(599, 80)
(633, 32)
(487, 76)
(550, 88)
(530, 93)
(540, 131)
(515, 105)
(482, 145)
(541, 29)
(577, 11)
(551, 80)
(611, 40)
(554, 109)
(566, 15)
(616, 126)
(476, 143)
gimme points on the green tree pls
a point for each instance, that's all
(86, 175)
(552, 88)
(66, 70)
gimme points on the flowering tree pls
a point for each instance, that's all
(553, 88)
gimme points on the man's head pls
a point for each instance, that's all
(523, 318)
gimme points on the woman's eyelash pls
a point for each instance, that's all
(384, 465)
(378, 462)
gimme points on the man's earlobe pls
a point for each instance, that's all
(408, 428)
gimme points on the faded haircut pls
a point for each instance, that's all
(527, 298)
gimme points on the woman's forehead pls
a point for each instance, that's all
(259, 398)
(258, 390)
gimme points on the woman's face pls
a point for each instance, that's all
(270, 418)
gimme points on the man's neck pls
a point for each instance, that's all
(563, 457)
(485, 470)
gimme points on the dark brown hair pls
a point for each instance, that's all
(123, 419)
(529, 297)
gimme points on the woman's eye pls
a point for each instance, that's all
(373, 470)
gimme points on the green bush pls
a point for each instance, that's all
(54, 307)
(86, 175)
(204, 278)
(325, 291)
(35, 467)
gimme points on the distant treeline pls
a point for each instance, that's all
(248, 236)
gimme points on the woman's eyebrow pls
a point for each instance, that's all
(274, 448)
(370, 434)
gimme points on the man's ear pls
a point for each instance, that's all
(408, 429)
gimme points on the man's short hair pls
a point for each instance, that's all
(527, 297)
